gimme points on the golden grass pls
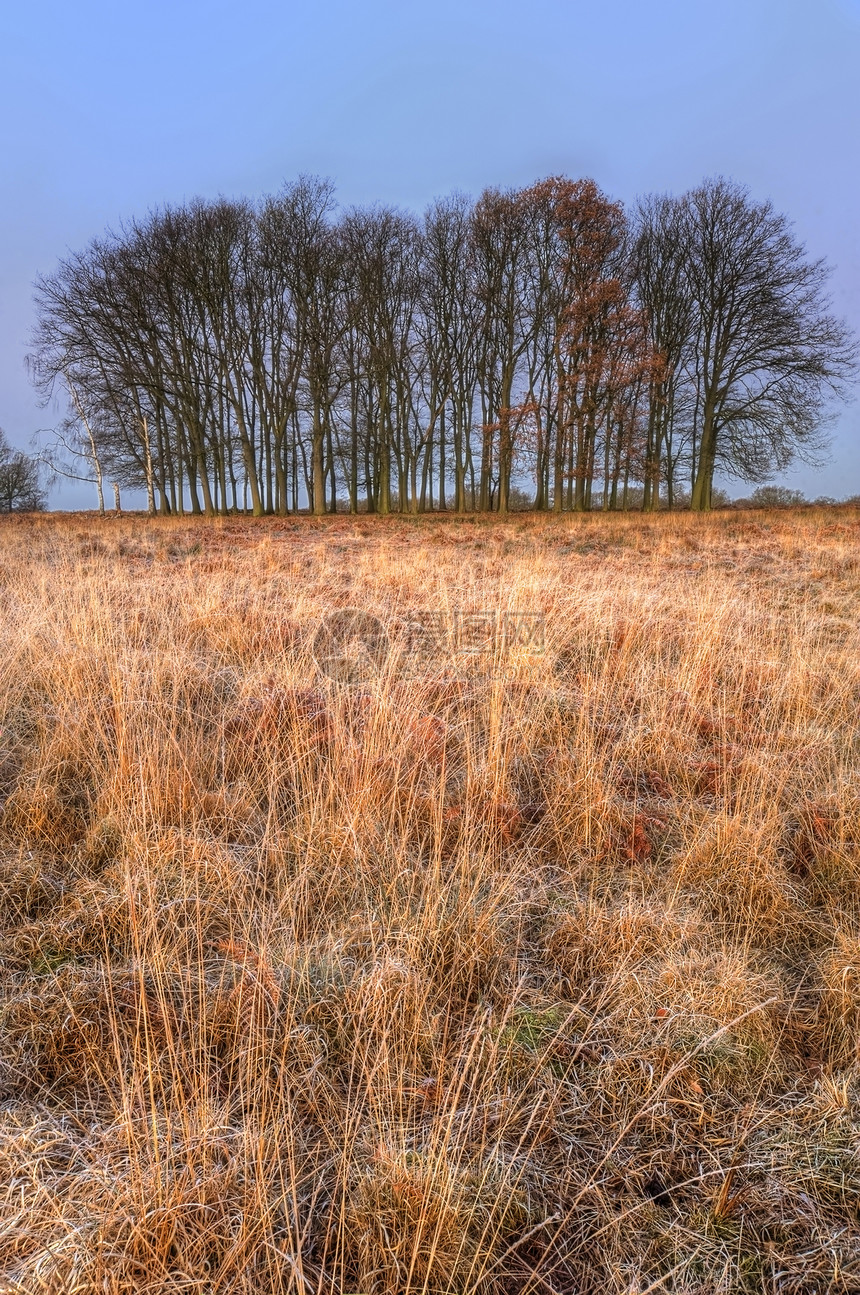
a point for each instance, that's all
(451, 980)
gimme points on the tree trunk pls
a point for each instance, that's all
(317, 463)
(704, 481)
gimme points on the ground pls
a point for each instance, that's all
(514, 947)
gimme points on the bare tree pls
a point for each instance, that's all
(660, 276)
(503, 246)
(769, 355)
(449, 322)
(382, 247)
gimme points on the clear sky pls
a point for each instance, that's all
(107, 109)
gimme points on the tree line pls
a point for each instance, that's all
(279, 355)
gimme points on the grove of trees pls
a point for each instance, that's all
(282, 355)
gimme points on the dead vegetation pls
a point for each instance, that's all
(454, 981)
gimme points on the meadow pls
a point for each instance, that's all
(528, 969)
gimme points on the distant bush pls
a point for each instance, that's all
(683, 498)
(519, 500)
(21, 488)
(776, 497)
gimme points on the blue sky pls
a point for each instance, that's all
(108, 109)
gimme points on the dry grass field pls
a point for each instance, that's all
(534, 973)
